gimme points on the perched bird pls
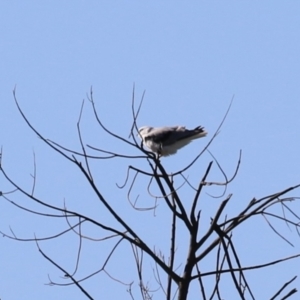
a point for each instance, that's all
(166, 141)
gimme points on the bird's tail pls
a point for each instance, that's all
(199, 132)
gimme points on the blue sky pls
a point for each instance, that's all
(191, 58)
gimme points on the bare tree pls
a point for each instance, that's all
(173, 276)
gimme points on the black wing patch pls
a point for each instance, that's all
(159, 138)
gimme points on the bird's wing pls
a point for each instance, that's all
(162, 135)
(180, 135)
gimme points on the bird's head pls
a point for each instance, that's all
(143, 131)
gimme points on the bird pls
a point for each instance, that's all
(165, 141)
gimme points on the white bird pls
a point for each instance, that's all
(167, 140)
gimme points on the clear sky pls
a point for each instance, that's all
(191, 58)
